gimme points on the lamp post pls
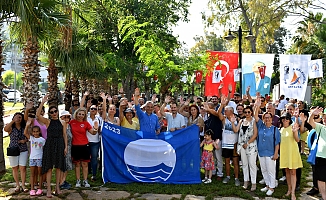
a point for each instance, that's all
(249, 37)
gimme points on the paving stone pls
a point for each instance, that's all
(100, 195)
(74, 196)
(161, 196)
(193, 197)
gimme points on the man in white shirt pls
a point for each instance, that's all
(175, 120)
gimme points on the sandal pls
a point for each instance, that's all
(25, 189)
(39, 192)
(17, 189)
(32, 193)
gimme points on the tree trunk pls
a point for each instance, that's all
(68, 93)
(53, 88)
(31, 74)
(2, 158)
(75, 88)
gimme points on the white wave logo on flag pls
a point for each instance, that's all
(150, 160)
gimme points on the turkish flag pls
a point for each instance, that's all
(199, 76)
(220, 70)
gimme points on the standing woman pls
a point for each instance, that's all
(55, 147)
(268, 144)
(193, 116)
(15, 130)
(289, 152)
(80, 150)
(247, 146)
(110, 118)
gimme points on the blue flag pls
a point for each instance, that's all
(133, 156)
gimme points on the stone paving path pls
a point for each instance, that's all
(104, 193)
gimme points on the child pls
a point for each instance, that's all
(207, 157)
(35, 159)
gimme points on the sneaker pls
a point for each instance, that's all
(86, 184)
(269, 192)
(264, 189)
(237, 182)
(282, 179)
(78, 183)
(32, 193)
(204, 180)
(312, 192)
(226, 180)
(262, 182)
(39, 192)
(65, 185)
(208, 181)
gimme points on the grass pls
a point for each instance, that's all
(210, 191)
(11, 108)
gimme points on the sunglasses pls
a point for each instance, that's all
(66, 116)
(82, 114)
(93, 108)
(247, 112)
(53, 111)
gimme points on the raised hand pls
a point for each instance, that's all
(96, 125)
(195, 99)
(187, 102)
(221, 86)
(102, 95)
(137, 93)
(303, 118)
(296, 112)
(258, 101)
(248, 89)
(206, 106)
(121, 90)
(29, 122)
(317, 111)
(224, 100)
(154, 98)
(167, 99)
(86, 93)
(29, 106)
(45, 98)
(233, 119)
(230, 88)
(108, 97)
(295, 128)
(181, 100)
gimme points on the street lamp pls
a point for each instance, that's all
(249, 37)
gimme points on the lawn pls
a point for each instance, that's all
(210, 191)
(11, 108)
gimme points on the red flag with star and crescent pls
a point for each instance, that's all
(199, 76)
(221, 66)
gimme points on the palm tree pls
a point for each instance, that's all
(35, 20)
(2, 159)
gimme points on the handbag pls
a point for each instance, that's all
(313, 151)
(13, 151)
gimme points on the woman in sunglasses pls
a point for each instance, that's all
(268, 143)
(290, 158)
(247, 146)
(55, 147)
(80, 149)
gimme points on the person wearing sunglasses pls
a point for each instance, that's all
(268, 143)
(290, 158)
(80, 149)
(247, 146)
(55, 147)
(74, 107)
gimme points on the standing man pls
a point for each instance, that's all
(175, 120)
(148, 120)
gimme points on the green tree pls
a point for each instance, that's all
(8, 78)
(208, 42)
(262, 17)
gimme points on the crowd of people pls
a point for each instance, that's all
(237, 129)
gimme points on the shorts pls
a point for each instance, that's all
(20, 160)
(320, 167)
(230, 153)
(80, 153)
(35, 162)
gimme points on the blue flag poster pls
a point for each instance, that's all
(133, 156)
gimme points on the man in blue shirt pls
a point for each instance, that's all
(148, 120)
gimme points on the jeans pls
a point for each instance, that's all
(94, 146)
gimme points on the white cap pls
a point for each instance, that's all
(64, 113)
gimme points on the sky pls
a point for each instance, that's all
(187, 31)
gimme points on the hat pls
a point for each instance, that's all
(237, 94)
(129, 110)
(286, 115)
(64, 113)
